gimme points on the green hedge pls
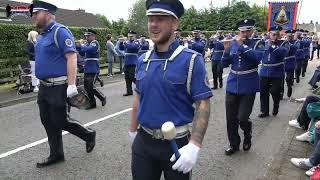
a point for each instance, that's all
(13, 39)
(13, 44)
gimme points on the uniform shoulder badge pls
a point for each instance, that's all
(93, 44)
(68, 42)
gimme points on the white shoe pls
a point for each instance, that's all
(294, 123)
(311, 171)
(304, 137)
(36, 89)
(300, 100)
(302, 163)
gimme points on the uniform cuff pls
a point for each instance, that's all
(137, 91)
(202, 96)
(70, 50)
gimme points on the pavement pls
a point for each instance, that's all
(281, 168)
(23, 141)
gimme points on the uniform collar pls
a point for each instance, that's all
(173, 46)
(50, 27)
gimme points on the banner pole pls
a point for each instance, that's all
(299, 11)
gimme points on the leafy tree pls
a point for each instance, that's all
(137, 17)
(120, 27)
(104, 20)
(212, 18)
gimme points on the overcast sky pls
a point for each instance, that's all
(115, 9)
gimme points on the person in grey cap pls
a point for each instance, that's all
(166, 91)
(56, 67)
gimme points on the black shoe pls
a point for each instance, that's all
(215, 87)
(303, 74)
(91, 107)
(92, 142)
(289, 93)
(128, 94)
(297, 80)
(246, 146)
(275, 111)
(315, 87)
(104, 101)
(101, 83)
(231, 150)
(263, 115)
(220, 85)
(50, 160)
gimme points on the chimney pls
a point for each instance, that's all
(81, 10)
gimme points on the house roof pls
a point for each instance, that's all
(73, 18)
(309, 27)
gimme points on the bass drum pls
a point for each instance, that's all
(80, 101)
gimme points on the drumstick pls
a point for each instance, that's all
(169, 132)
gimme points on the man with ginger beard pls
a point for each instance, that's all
(56, 68)
(166, 91)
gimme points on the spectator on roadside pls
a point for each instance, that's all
(314, 160)
(111, 53)
(315, 78)
(303, 120)
(315, 46)
(8, 10)
(32, 39)
(120, 52)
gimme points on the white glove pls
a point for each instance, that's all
(132, 135)
(72, 90)
(187, 159)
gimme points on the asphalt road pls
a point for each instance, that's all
(20, 126)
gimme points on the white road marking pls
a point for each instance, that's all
(65, 132)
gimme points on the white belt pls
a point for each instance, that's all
(54, 81)
(244, 72)
(57, 79)
(182, 131)
(91, 59)
(290, 57)
(128, 54)
(219, 51)
(273, 65)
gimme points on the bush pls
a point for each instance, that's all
(13, 44)
(13, 39)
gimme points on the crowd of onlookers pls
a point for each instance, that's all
(308, 121)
